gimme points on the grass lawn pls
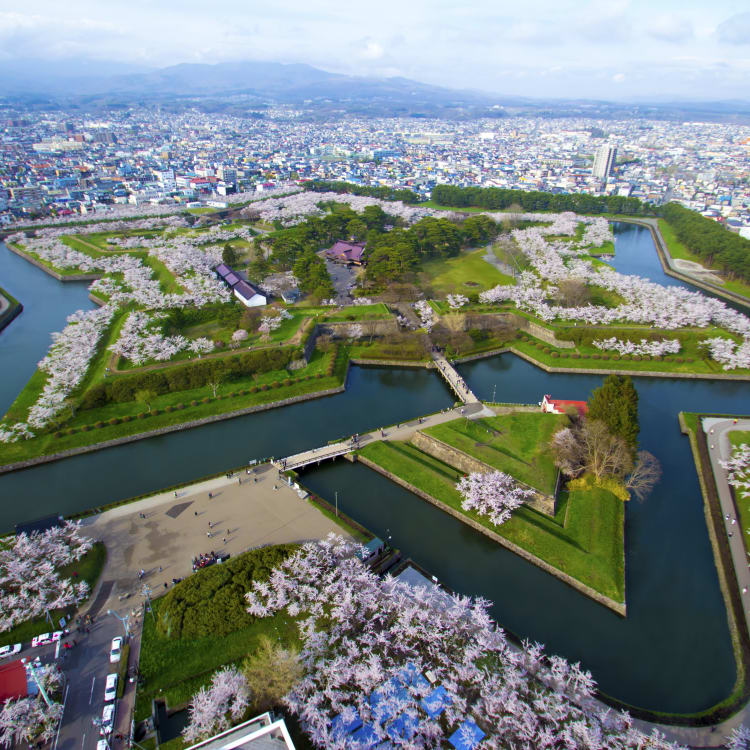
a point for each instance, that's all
(467, 272)
(377, 311)
(175, 669)
(589, 357)
(88, 569)
(513, 443)
(678, 250)
(585, 539)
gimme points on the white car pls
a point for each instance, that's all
(110, 688)
(115, 652)
(102, 745)
(108, 719)
(41, 640)
(8, 650)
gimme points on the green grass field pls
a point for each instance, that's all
(678, 250)
(513, 443)
(585, 539)
(467, 272)
(175, 669)
(87, 569)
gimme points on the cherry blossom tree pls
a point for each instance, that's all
(239, 336)
(738, 469)
(426, 314)
(30, 583)
(457, 301)
(28, 720)
(494, 494)
(368, 643)
(215, 708)
(650, 348)
(739, 739)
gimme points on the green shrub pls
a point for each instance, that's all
(85, 428)
(70, 431)
(114, 421)
(168, 408)
(58, 434)
(193, 403)
(179, 406)
(575, 355)
(287, 381)
(99, 424)
(205, 400)
(595, 356)
(212, 601)
(155, 412)
(555, 354)
(141, 415)
(127, 418)
(253, 389)
(264, 387)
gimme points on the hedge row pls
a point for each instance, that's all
(186, 377)
(212, 601)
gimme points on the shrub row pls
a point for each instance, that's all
(186, 377)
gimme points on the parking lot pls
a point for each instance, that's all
(343, 278)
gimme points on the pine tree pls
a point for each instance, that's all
(615, 403)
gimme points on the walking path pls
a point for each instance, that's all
(401, 431)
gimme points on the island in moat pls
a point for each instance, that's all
(199, 320)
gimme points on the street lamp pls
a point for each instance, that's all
(123, 620)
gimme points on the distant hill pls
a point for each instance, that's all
(237, 87)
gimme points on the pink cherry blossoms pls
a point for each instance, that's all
(457, 301)
(493, 494)
(30, 719)
(270, 323)
(29, 582)
(426, 314)
(368, 644)
(650, 348)
(214, 709)
(141, 340)
(729, 353)
(738, 469)
(66, 363)
(597, 233)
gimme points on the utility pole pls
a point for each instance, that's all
(146, 591)
(123, 620)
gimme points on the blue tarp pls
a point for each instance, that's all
(403, 727)
(389, 693)
(436, 702)
(410, 675)
(467, 736)
(365, 736)
(341, 727)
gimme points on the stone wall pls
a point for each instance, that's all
(468, 465)
(618, 607)
(540, 332)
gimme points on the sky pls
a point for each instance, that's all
(605, 49)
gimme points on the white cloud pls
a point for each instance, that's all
(735, 30)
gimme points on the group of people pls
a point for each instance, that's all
(203, 560)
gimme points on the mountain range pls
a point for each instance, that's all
(235, 87)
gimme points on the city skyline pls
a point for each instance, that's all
(618, 51)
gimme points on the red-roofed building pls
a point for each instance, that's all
(13, 681)
(560, 406)
(346, 252)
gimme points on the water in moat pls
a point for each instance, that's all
(671, 653)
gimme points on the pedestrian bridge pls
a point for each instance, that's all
(315, 455)
(454, 380)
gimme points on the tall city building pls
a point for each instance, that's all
(604, 160)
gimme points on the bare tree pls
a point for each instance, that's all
(645, 475)
(589, 447)
(214, 384)
(573, 292)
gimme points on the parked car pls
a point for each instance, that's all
(102, 745)
(8, 650)
(108, 719)
(41, 640)
(115, 652)
(110, 688)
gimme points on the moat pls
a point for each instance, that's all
(672, 653)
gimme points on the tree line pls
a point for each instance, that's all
(496, 199)
(709, 240)
(381, 192)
